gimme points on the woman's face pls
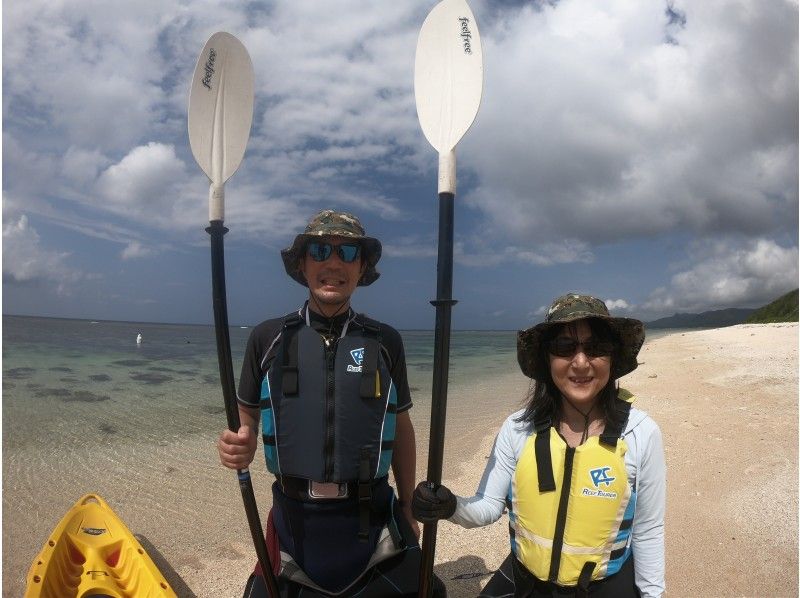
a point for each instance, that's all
(579, 377)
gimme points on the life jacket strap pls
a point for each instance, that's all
(613, 433)
(364, 495)
(584, 579)
(290, 381)
(544, 461)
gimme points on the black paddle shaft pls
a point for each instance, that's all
(441, 368)
(217, 232)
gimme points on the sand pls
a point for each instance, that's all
(727, 404)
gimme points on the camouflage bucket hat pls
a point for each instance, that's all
(570, 308)
(330, 223)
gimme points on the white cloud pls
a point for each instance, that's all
(135, 249)
(601, 123)
(26, 261)
(725, 275)
(82, 166)
(144, 184)
(615, 305)
(593, 127)
(481, 253)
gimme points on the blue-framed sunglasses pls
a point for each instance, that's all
(347, 252)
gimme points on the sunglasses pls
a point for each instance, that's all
(567, 347)
(347, 252)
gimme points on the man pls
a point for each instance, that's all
(330, 389)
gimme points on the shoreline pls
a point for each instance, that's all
(725, 399)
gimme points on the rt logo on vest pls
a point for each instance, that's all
(599, 476)
(358, 357)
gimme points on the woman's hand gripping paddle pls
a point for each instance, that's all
(448, 83)
(220, 115)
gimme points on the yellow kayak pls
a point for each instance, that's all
(92, 553)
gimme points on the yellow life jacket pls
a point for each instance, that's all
(572, 508)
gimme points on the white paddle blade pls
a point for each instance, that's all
(448, 74)
(221, 107)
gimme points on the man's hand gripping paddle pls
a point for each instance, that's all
(448, 82)
(220, 115)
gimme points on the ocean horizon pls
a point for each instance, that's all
(76, 376)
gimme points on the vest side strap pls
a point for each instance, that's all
(364, 495)
(584, 579)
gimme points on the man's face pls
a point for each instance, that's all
(331, 282)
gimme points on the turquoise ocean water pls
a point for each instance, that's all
(69, 381)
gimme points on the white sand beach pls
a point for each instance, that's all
(726, 401)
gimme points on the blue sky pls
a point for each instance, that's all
(643, 151)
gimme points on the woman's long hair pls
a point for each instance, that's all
(544, 397)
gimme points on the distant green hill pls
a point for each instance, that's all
(783, 309)
(708, 319)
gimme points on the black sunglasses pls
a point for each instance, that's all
(347, 252)
(567, 347)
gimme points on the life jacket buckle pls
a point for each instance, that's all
(327, 490)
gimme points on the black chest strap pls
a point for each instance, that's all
(544, 461)
(290, 381)
(614, 432)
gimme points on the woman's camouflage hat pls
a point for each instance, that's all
(329, 223)
(570, 308)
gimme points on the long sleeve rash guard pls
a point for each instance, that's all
(646, 469)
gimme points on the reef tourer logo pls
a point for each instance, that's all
(358, 358)
(600, 476)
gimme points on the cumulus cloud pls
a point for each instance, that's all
(606, 121)
(602, 124)
(599, 122)
(144, 184)
(724, 274)
(81, 166)
(26, 261)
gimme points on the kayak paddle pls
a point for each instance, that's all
(220, 116)
(448, 82)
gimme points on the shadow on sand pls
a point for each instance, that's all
(178, 585)
(469, 577)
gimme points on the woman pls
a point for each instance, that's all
(582, 472)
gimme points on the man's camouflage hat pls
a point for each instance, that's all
(569, 308)
(330, 223)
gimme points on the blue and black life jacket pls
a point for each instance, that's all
(328, 412)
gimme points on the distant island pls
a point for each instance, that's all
(783, 309)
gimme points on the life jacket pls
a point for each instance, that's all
(328, 413)
(572, 508)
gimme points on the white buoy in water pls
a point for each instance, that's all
(139, 339)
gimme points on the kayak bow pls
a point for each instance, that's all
(92, 552)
